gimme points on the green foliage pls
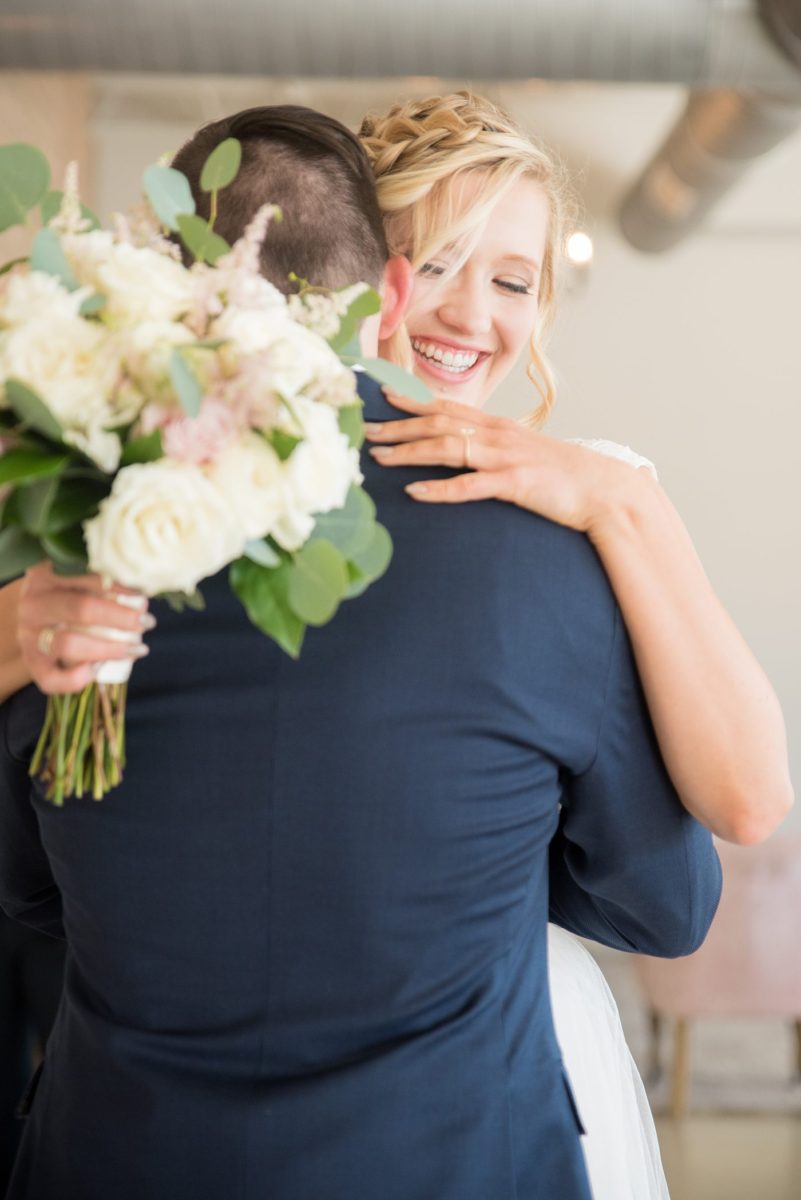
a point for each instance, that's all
(180, 601)
(201, 240)
(370, 562)
(18, 551)
(264, 594)
(365, 304)
(66, 550)
(51, 206)
(222, 165)
(48, 256)
(23, 464)
(317, 582)
(395, 378)
(142, 449)
(24, 179)
(92, 305)
(350, 528)
(169, 194)
(283, 443)
(352, 424)
(259, 550)
(32, 410)
(186, 384)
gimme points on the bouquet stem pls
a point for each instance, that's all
(81, 748)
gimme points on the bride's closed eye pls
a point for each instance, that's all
(510, 285)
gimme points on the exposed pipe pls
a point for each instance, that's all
(717, 139)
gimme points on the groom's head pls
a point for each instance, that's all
(316, 170)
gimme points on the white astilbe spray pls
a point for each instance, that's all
(69, 218)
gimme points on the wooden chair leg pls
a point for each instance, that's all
(681, 1069)
(654, 1067)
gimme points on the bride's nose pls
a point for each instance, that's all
(465, 306)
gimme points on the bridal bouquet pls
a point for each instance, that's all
(159, 422)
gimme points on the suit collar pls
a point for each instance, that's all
(376, 405)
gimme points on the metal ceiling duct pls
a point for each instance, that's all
(702, 43)
(720, 136)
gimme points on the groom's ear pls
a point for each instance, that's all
(396, 292)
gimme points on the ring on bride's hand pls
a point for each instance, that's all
(467, 433)
(44, 642)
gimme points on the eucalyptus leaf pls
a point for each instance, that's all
(51, 207)
(93, 305)
(21, 464)
(283, 443)
(181, 601)
(260, 551)
(376, 556)
(18, 551)
(32, 410)
(351, 424)
(350, 528)
(317, 582)
(185, 382)
(24, 179)
(169, 194)
(395, 378)
(222, 165)
(143, 449)
(201, 240)
(48, 256)
(264, 594)
(365, 304)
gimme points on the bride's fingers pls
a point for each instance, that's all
(465, 414)
(62, 606)
(450, 450)
(476, 485)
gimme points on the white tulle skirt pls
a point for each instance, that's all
(620, 1148)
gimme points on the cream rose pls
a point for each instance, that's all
(139, 283)
(250, 476)
(32, 296)
(163, 528)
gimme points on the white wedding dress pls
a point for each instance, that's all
(620, 1147)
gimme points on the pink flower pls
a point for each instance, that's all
(198, 439)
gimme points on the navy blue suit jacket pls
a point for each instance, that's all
(307, 935)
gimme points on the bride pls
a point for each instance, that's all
(478, 208)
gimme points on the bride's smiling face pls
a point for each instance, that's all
(469, 328)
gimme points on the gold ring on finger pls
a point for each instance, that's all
(44, 642)
(467, 432)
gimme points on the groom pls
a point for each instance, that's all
(307, 935)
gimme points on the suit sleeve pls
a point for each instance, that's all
(629, 866)
(28, 890)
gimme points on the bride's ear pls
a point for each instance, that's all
(396, 292)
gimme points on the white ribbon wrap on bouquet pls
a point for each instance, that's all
(117, 670)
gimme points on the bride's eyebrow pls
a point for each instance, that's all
(519, 260)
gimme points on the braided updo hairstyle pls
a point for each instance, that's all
(422, 153)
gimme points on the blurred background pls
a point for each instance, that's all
(678, 334)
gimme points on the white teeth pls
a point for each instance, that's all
(455, 361)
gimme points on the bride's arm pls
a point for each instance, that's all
(719, 724)
(71, 607)
(14, 673)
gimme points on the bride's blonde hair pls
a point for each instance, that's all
(422, 153)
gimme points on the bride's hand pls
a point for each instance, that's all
(58, 622)
(569, 484)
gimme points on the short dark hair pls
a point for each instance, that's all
(318, 173)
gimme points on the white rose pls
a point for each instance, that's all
(318, 473)
(29, 296)
(146, 349)
(139, 284)
(163, 528)
(249, 475)
(70, 363)
(293, 356)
